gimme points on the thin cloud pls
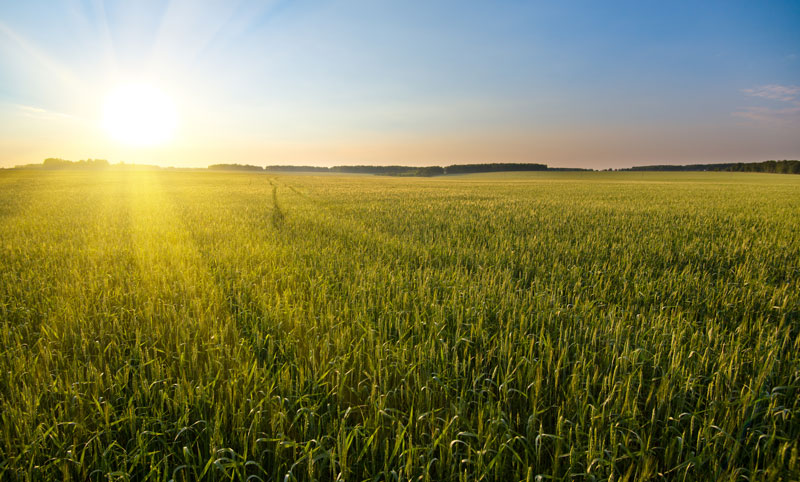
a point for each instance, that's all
(40, 113)
(765, 114)
(785, 95)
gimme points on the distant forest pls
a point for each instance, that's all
(55, 163)
(409, 171)
(778, 167)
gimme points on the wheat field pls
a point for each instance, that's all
(186, 325)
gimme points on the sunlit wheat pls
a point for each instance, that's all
(234, 326)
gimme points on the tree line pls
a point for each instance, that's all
(58, 163)
(411, 171)
(777, 167)
(772, 166)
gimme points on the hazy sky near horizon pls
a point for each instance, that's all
(580, 84)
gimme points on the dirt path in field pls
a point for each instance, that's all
(278, 215)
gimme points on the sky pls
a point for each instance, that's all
(570, 84)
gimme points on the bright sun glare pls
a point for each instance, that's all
(139, 115)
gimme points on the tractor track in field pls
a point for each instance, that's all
(278, 216)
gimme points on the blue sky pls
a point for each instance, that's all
(585, 84)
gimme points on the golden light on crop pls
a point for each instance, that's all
(140, 115)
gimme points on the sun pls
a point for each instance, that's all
(140, 115)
